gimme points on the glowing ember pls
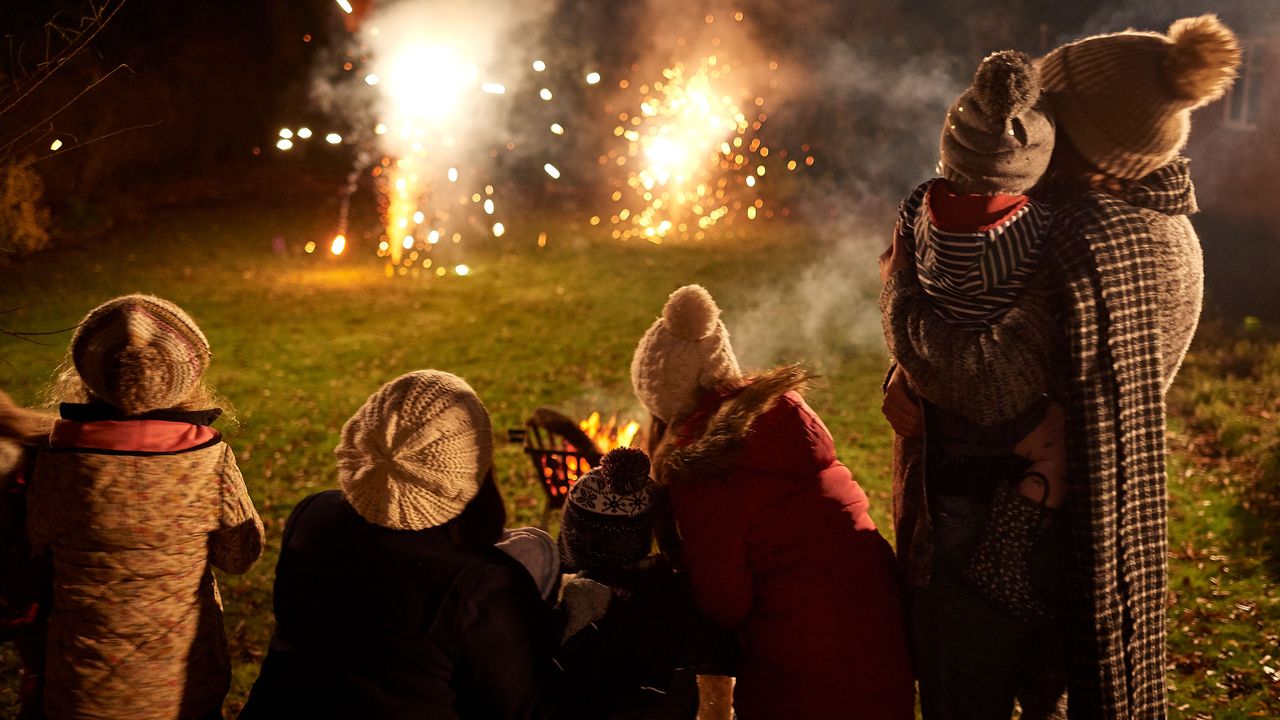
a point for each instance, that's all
(339, 244)
(346, 6)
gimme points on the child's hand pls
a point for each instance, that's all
(901, 406)
(894, 258)
(1046, 448)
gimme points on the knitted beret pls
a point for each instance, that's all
(607, 519)
(416, 452)
(685, 349)
(998, 137)
(1125, 99)
(139, 353)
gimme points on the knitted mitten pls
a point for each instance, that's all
(1000, 568)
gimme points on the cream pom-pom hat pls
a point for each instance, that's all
(685, 350)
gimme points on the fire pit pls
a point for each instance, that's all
(563, 449)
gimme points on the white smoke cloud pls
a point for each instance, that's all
(831, 307)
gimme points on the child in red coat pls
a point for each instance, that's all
(771, 527)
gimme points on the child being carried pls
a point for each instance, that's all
(976, 238)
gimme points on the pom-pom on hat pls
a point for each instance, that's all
(1124, 100)
(607, 519)
(139, 353)
(686, 349)
(998, 136)
(416, 452)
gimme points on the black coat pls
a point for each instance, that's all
(379, 623)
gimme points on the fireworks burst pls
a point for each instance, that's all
(685, 154)
(434, 99)
(689, 153)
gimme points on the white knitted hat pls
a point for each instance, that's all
(416, 452)
(139, 353)
(686, 349)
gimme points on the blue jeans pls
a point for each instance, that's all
(972, 658)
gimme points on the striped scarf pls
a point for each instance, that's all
(1116, 444)
(973, 277)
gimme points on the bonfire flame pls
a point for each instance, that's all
(609, 435)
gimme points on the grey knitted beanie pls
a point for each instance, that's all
(998, 137)
(416, 452)
(686, 349)
(139, 353)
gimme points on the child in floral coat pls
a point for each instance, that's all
(136, 498)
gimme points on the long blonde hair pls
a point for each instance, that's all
(20, 424)
(68, 387)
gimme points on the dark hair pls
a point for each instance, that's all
(483, 519)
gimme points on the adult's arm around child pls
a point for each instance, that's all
(987, 373)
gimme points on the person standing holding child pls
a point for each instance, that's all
(1119, 295)
(136, 498)
(771, 527)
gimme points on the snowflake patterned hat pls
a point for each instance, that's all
(607, 518)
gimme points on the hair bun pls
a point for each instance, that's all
(1006, 84)
(691, 313)
(1202, 60)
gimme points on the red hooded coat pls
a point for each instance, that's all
(779, 546)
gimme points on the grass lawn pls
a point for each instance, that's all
(299, 341)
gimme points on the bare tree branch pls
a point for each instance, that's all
(92, 25)
(4, 149)
(91, 141)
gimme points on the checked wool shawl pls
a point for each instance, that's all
(1116, 444)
